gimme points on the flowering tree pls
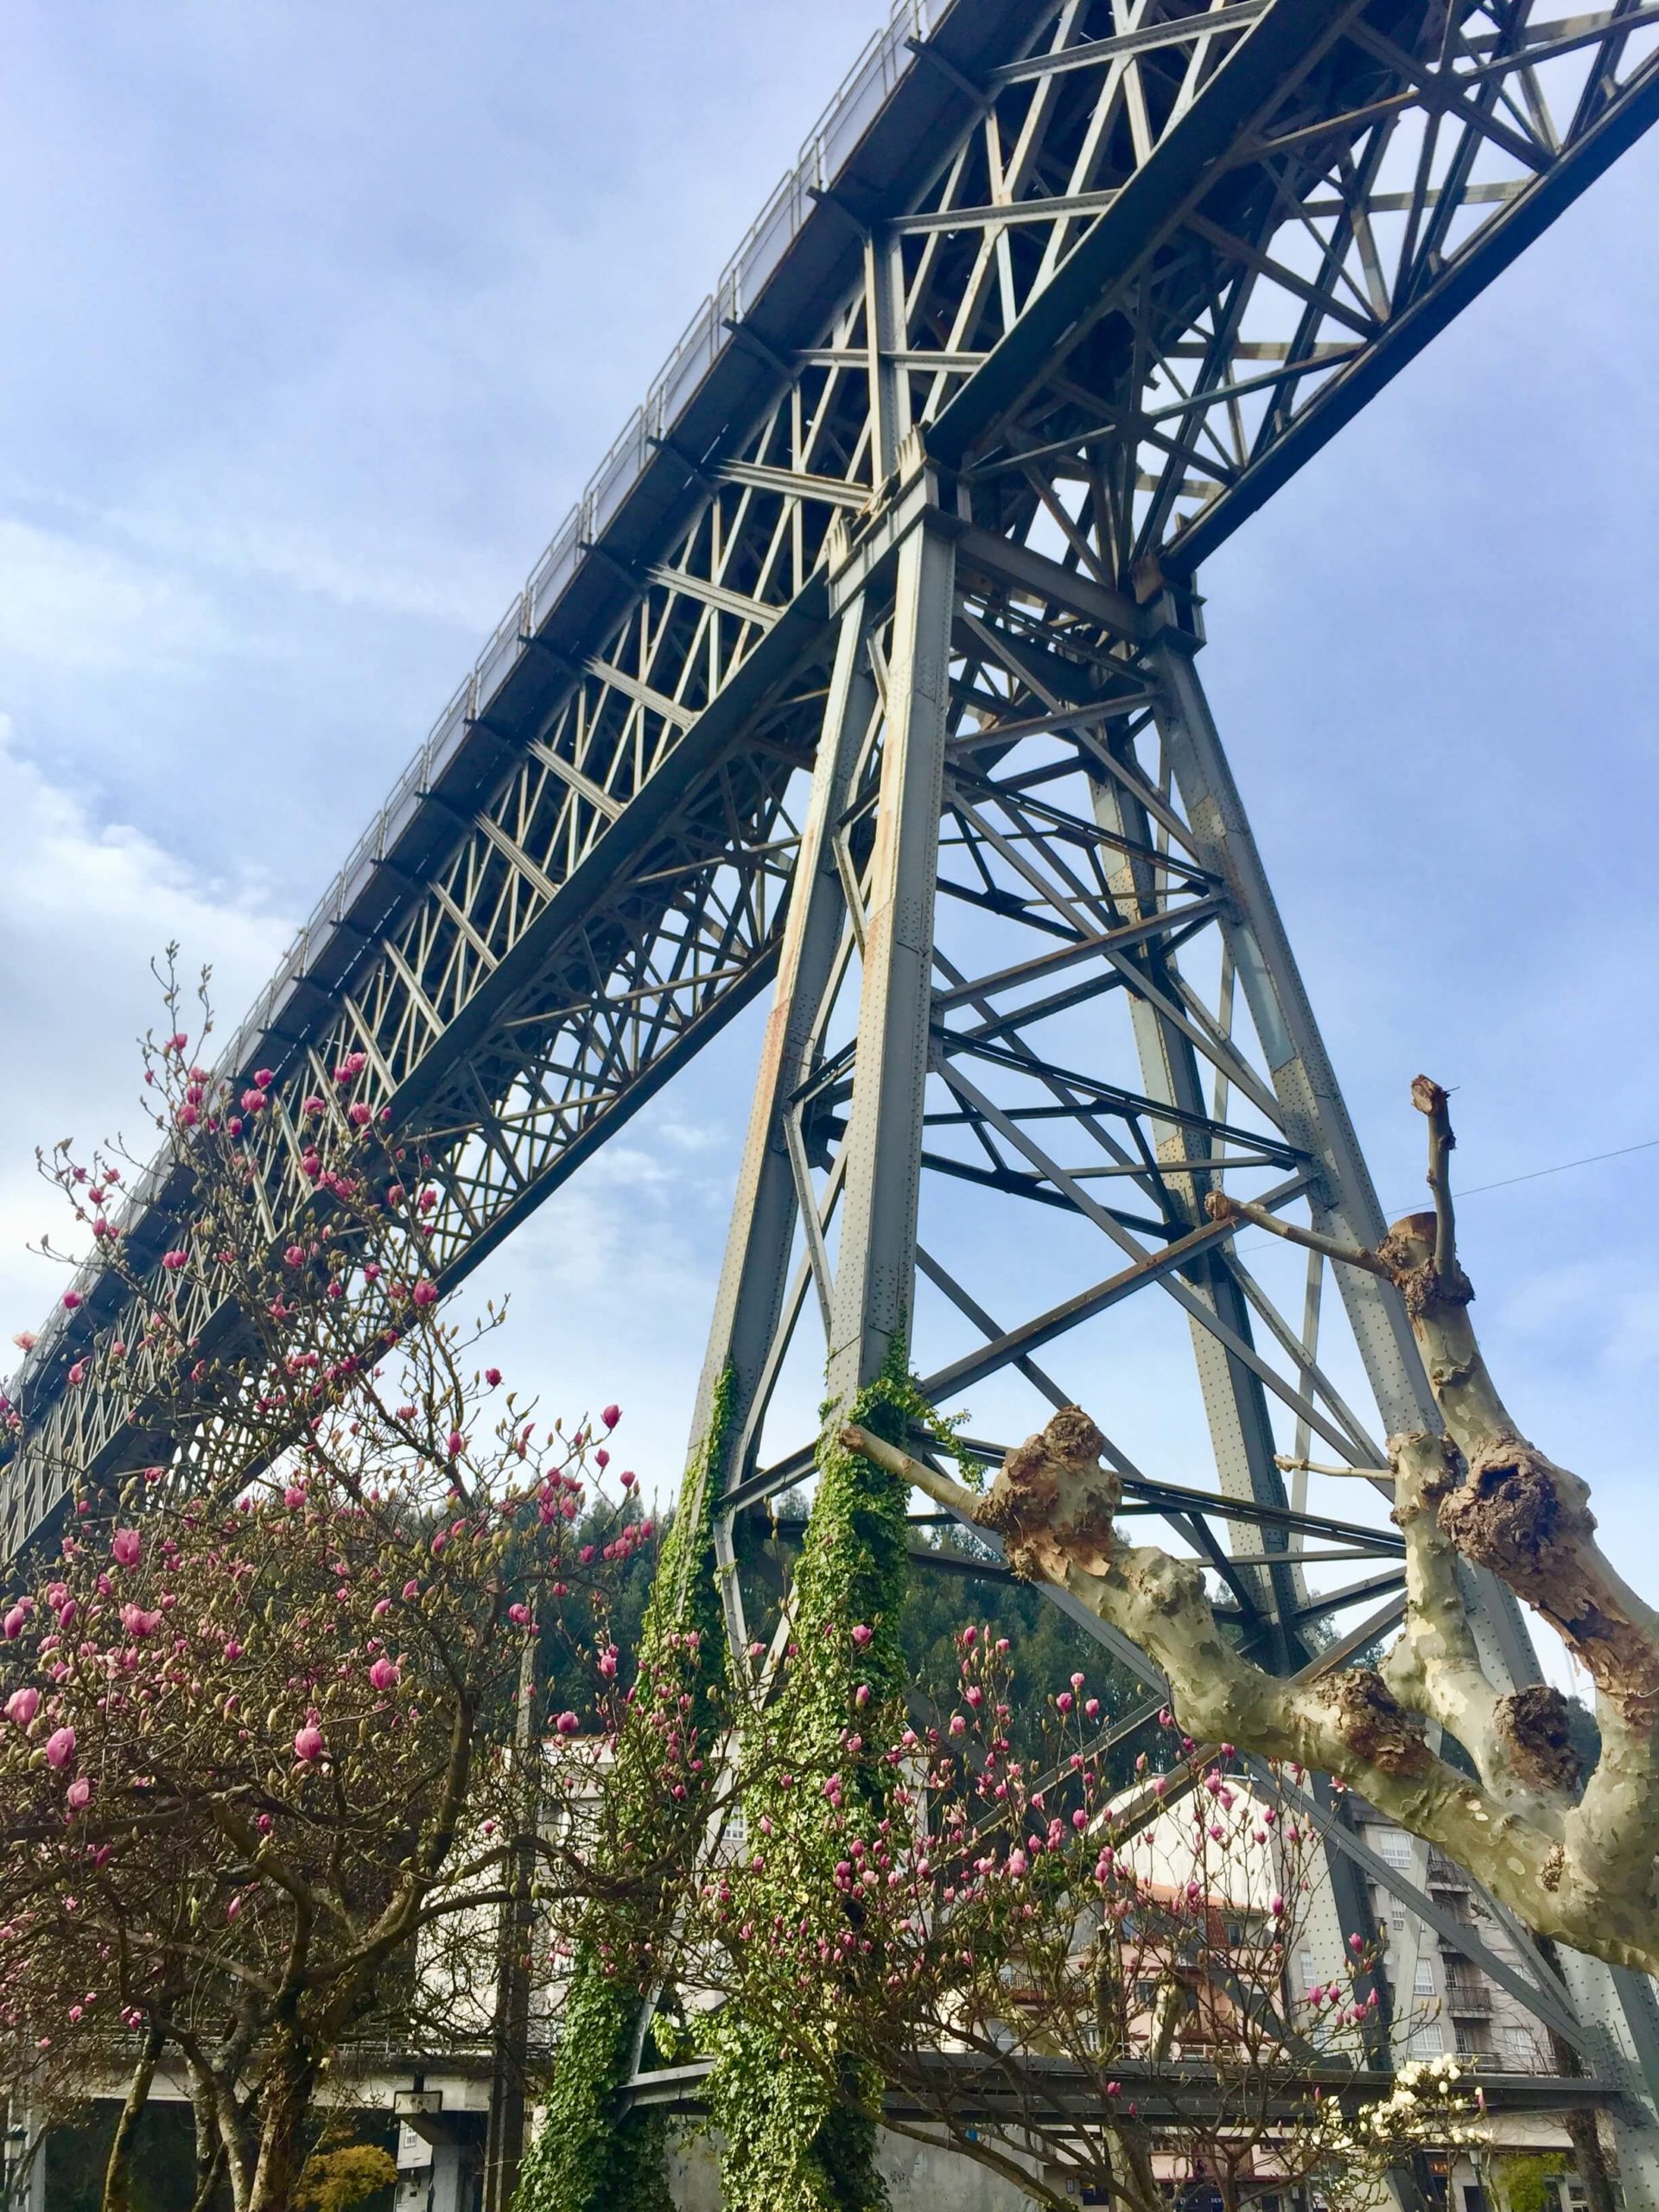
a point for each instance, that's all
(1576, 1864)
(1083, 1988)
(275, 1718)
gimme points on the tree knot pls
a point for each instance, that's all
(1518, 1514)
(1053, 1503)
(1371, 1723)
(1407, 1252)
(1534, 1724)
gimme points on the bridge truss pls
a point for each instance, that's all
(868, 666)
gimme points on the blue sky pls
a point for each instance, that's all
(319, 319)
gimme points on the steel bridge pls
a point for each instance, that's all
(866, 666)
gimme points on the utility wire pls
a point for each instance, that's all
(1561, 1167)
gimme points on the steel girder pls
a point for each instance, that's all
(1032, 967)
(1123, 268)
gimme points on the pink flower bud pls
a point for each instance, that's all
(79, 1795)
(863, 1634)
(610, 1415)
(71, 1299)
(360, 1115)
(492, 1375)
(519, 1616)
(22, 1705)
(15, 1623)
(60, 1747)
(426, 1293)
(567, 1724)
(308, 1743)
(411, 1589)
(125, 1546)
(384, 1674)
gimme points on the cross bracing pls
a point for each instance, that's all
(868, 662)
(1123, 270)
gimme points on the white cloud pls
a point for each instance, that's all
(73, 602)
(85, 904)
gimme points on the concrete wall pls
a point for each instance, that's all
(919, 2178)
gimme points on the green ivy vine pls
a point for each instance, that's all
(800, 2131)
(585, 2159)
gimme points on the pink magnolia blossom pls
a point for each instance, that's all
(15, 1623)
(610, 1415)
(22, 1705)
(492, 1375)
(174, 1261)
(567, 1724)
(79, 1794)
(425, 1294)
(60, 1747)
(519, 1615)
(126, 1546)
(862, 1634)
(71, 1299)
(384, 1674)
(25, 1340)
(308, 1742)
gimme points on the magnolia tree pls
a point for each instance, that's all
(1573, 1856)
(1084, 1989)
(277, 1728)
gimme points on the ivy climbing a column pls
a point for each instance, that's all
(586, 2158)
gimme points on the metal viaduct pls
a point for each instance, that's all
(866, 668)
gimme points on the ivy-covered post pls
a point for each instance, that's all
(801, 2134)
(798, 2136)
(586, 2158)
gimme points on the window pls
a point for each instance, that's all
(1518, 2043)
(1424, 1985)
(1427, 2039)
(1393, 1848)
(1307, 1970)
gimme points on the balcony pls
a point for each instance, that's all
(1443, 1875)
(1467, 1997)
